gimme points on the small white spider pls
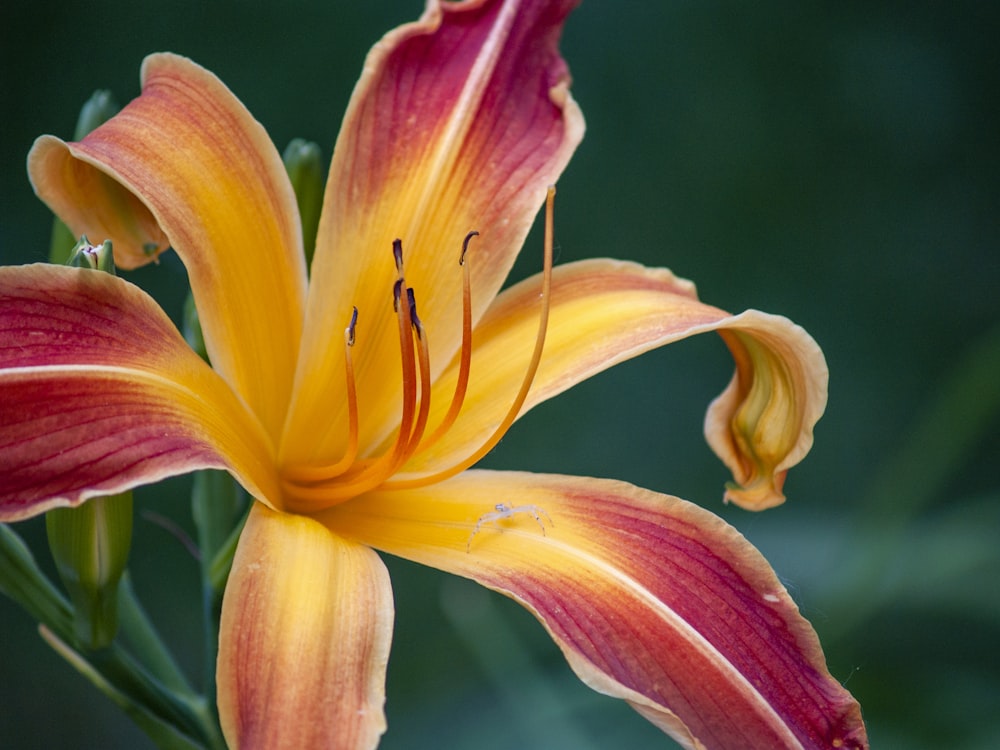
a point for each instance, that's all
(507, 510)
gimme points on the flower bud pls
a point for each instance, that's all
(303, 162)
(98, 109)
(192, 328)
(98, 257)
(90, 546)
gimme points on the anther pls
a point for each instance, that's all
(397, 255)
(414, 320)
(465, 246)
(351, 328)
(397, 292)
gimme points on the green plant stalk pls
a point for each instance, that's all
(173, 724)
(121, 677)
(146, 642)
(23, 581)
(217, 502)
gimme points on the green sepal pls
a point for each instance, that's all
(97, 257)
(90, 546)
(99, 108)
(304, 164)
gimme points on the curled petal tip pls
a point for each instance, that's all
(765, 492)
(762, 424)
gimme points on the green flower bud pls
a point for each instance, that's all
(304, 164)
(90, 546)
(98, 257)
(98, 109)
(192, 328)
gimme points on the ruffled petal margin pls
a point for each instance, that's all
(186, 164)
(304, 639)
(652, 599)
(101, 393)
(459, 122)
(604, 312)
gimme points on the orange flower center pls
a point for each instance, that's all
(313, 487)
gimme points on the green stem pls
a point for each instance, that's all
(145, 640)
(23, 581)
(111, 669)
(174, 723)
(217, 501)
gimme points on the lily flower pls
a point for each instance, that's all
(352, 401)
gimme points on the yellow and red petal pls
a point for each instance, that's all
(459, 122)
(304, 638)
(186, 164)
(101, 393)
(651, 599)
(604, 312)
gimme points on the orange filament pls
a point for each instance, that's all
(424, 360)
(465, 362)
(529, 376)
(330, 471)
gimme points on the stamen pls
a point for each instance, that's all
(465, 362)
(352, 396)
(424, 360)
(367, 474)
(529, 376)
(331, 471)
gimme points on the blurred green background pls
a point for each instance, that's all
(836, 164)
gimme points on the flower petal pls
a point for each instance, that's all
(604, 312)
(186, 164)
(459, 122)
(100, 394)
(304, 638)
(652, 599)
